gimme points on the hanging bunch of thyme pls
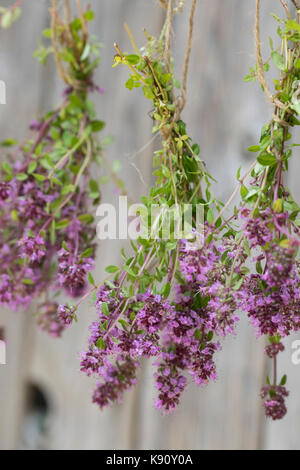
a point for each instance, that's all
(268, 213)
(170, 296)
(49, 185)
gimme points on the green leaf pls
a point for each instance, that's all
(14, 215)
(267, 159)
(297, 64)
(88, 252)
(7, 168)
(278, 60)
(32, 167)
(283, 380)
(22, 176)
(254, 148)
(278, 205)
(91, 279)
(86, 52)
(64, 245)
(9, 142)
(6, 19)
(148, 92)
(104, 308)
(100, 343)
(129, 271)
(111, 269)
(293, 25)
(124, 323)
(94, 195)
(47, 33)
(198, 334)
(166, 290)
(89, 15)
(97, 126)
(243, 191)
(132, 59)
(62, 224)
(69, 188)
(238, 284)
(210, 216)
(259, 268)
(210, 335)
(27, 281)
(53, 232)
(39, 178)
(86, 218)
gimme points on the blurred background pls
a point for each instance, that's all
(45, 402)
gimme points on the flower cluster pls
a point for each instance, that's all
(115, 341)
(271, 296)
(207, 271)
(66, 314)
(116, 380)
(72, 272)
(273, 349)
(274, 404)
(178, 334)
(33, 248)
(49, 321)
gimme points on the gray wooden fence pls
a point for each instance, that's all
(44, 399)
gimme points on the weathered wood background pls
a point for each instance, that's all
(44, 399)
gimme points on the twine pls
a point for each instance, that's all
(260, 64)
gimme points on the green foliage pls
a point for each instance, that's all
(9, 15)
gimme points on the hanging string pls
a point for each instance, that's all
(60, 68)
(187, 57)
(169, 20)
(260, 64)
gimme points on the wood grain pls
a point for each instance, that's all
(224, 115)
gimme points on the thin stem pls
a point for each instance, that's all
(286, 8)
(119, 183)
(44, 128)
(16, 5)
(76, 183)
(60, 68)
(146, 261)
(90, 291)
(241, 181)
(83, 22)
(67, 12)
(187, 56)
(260, 64)
(274, 371)
(163, 4)
(66, 157)
(131, 39)
(120, 53)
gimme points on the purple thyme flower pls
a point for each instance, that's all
(72, 271)
(273, 349)
(49, 321)
(33, 247)
(66, 313)
(274, 404)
